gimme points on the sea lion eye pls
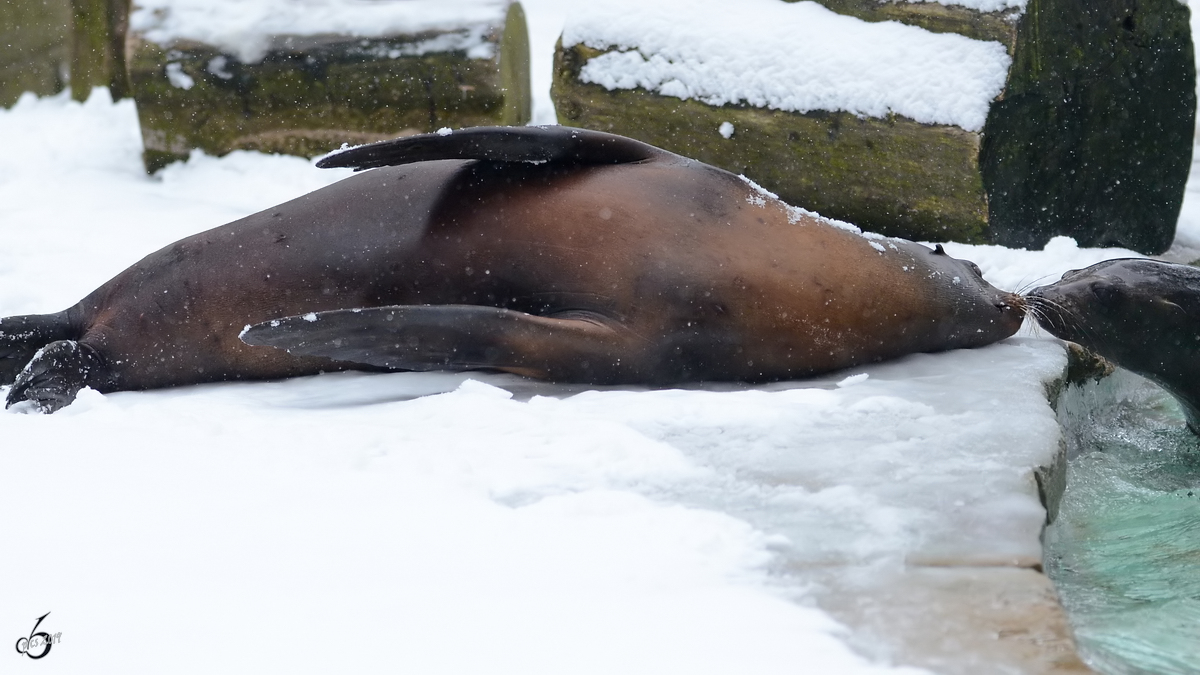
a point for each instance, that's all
(1105, 292)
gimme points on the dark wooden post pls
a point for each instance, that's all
(98, 47)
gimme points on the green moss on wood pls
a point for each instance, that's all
(98, 47)
(893, 176)
(515, 68)
(935, 17)
(1093, 138)
(33, 47)
(312, 97)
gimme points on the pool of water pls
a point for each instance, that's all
(1124, 550)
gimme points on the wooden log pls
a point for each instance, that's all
(98, 47)
(893, 176)
(34, 55)
(1090, 138)
(310, 94)
(1000, 26)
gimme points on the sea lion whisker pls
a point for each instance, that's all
(1163, 302)
(1037, 312)
(1024, 286)
(1072, 320)
(1041, 308)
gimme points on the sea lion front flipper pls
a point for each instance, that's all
(437, 337)
(535, 145)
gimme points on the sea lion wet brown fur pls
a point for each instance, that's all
(551, 252)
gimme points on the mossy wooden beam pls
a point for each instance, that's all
(34, 53)
(309, 95)
(515, 68)
(1000, 26)
(1091, 138)
(893, 176)
(98, 47)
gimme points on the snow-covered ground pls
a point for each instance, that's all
(446, 523)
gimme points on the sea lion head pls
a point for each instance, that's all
(976, 312)
(1143, 315)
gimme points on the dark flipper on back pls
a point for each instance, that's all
(41, 359)
(22, 336)
(437, 337)
(57, 372)
(500, 144)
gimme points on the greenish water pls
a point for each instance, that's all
(1124, 551)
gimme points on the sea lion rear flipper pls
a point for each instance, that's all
(56, 374)
(22, 336)
(534, 145)
(436, 337)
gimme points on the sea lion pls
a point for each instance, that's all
(551, 252)
(1143, 315)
